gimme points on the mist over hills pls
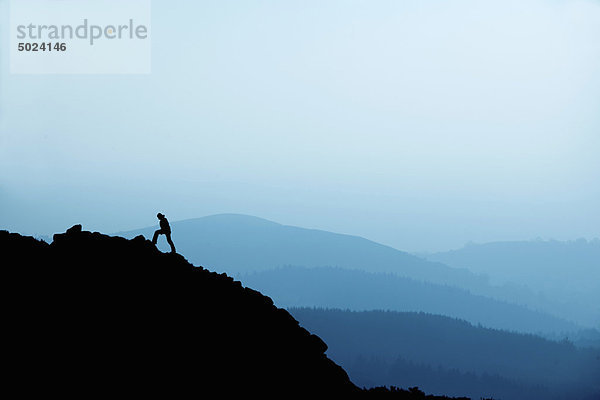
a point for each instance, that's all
(239, 244)
(360, 291)
(120, 314)
(446, 355)
(567, 272)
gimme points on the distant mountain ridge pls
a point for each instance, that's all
(240, 244)
(577, 260)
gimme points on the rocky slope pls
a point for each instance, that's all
(91, 314)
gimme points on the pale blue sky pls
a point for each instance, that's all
(418, 124)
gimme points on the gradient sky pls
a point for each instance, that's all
(419, 124)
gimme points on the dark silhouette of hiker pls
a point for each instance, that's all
(165, 229)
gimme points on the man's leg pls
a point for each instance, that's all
(155, 237)
(168, 235)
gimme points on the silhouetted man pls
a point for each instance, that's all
(165, 229)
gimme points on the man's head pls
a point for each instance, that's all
(160, 216)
